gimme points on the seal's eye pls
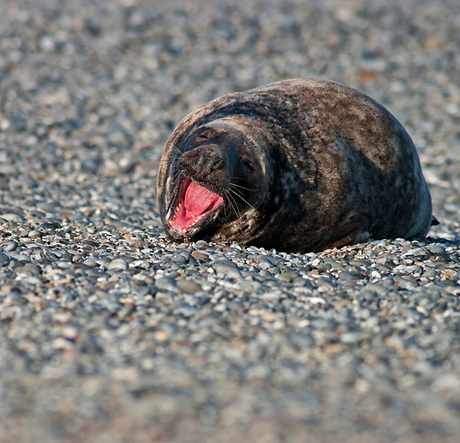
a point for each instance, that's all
(247, 162)
(201, 137)
(245, 157)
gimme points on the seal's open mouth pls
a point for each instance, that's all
(193, 205)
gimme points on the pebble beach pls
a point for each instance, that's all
(111, 333)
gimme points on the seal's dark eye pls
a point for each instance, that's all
(246, 162)
(201, 137)
(245, 157)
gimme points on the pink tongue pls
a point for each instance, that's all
(198, 200)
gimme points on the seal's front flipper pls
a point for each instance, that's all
(353, 237)
(362, 237)
(434, 221)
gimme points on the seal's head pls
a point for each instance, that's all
(214, 176)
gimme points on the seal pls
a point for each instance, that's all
(298, 165)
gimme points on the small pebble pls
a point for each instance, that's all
(118, 264)
(10, 246)
(188, 286)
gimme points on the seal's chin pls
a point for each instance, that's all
(193, 206)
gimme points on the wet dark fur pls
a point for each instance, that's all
(327, 164)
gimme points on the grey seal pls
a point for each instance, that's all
(298, 165)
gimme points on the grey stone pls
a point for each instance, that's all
(118, 264)
(226, 268)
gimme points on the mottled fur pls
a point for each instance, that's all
(332, 164)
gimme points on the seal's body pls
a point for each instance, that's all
(298, 165)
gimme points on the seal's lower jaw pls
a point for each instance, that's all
(193, 207)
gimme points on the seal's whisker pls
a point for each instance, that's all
(242, 198)
(169, 207)
(176, 152)
(176, 148)
(242, 187)
(225, 211)
(238, 178)
(175, 178)
(232, 202)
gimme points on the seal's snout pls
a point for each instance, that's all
(205, 164)
(194, 204)
(202, 178)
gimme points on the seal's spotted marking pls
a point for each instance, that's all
(299, 165)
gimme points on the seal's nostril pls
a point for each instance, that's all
(218, 164)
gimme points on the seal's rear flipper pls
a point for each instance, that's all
(434, 221)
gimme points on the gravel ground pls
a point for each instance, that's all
(111, 333)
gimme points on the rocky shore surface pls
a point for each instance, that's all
(111, 333)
